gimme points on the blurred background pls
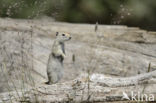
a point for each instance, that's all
(140, 13)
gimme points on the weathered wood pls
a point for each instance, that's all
(119, 52)
(96, 89)
(126, 81)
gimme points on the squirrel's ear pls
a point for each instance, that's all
(57, 33)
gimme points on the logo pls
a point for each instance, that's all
(125, 96)
(138, 96)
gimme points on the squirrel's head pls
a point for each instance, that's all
(62, 37)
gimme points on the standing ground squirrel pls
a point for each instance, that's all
(56, 57)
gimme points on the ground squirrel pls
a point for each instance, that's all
(56, 57)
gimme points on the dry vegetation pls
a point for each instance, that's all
(99, 61)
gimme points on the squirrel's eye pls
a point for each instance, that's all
(63, 34)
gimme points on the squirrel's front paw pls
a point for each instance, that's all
(63, 55)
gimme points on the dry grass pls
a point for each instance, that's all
(16, 68)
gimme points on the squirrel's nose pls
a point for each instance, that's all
(70, 37)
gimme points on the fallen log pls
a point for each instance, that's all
(96, 88)
(125, 81)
